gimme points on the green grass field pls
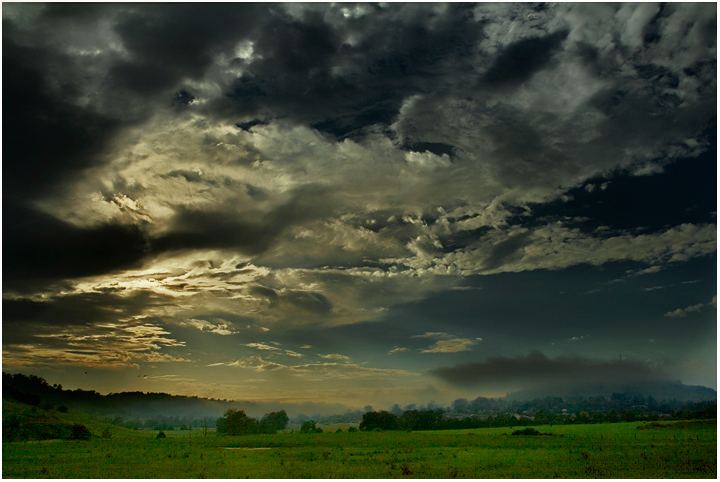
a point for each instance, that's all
(676, 450)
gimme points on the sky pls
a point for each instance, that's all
(359, 204)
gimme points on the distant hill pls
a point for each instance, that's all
(659, 390)
(21, 421)
(37, 391)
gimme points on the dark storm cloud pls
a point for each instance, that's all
(308, 301)
(652, 31)
(506, 250)
(268, 293)
(536, 368)
(40, 247)
(520, 60)
(170, 44)
(46, 139)
(332, 69)
(195, 229)
(308, 72)
(25, 320)
(253, 233)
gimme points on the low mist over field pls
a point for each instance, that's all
(350, 205)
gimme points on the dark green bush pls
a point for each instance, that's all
(308, 427)
(382, 420)
(80, 432)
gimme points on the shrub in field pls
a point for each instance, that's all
(80, 432)
(308, 427)
(527, 431)
(352, 429)
(161, 434)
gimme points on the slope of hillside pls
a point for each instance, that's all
(21, 421)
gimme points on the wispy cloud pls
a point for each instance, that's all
(262, 346)
(654, 288)
(683, 312)
(335, 356)
(120, 344)
(446, 343)
(434, 334)
(293, 353)
(218, 326)
(452, 345)
(316, 370)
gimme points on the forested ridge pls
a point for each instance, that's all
(162, 411)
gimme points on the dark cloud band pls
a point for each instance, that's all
(537, 369)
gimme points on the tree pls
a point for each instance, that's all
(308, 427)
(421, 420)
(205, 426)
(382, 420)
(274, 421)
(236, 422)
(461, 405)
(543, 418)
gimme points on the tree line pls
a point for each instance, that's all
(442, 420)
(478, 413)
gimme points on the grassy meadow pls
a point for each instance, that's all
(622, 450)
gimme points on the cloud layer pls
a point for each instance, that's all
(227, 173)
